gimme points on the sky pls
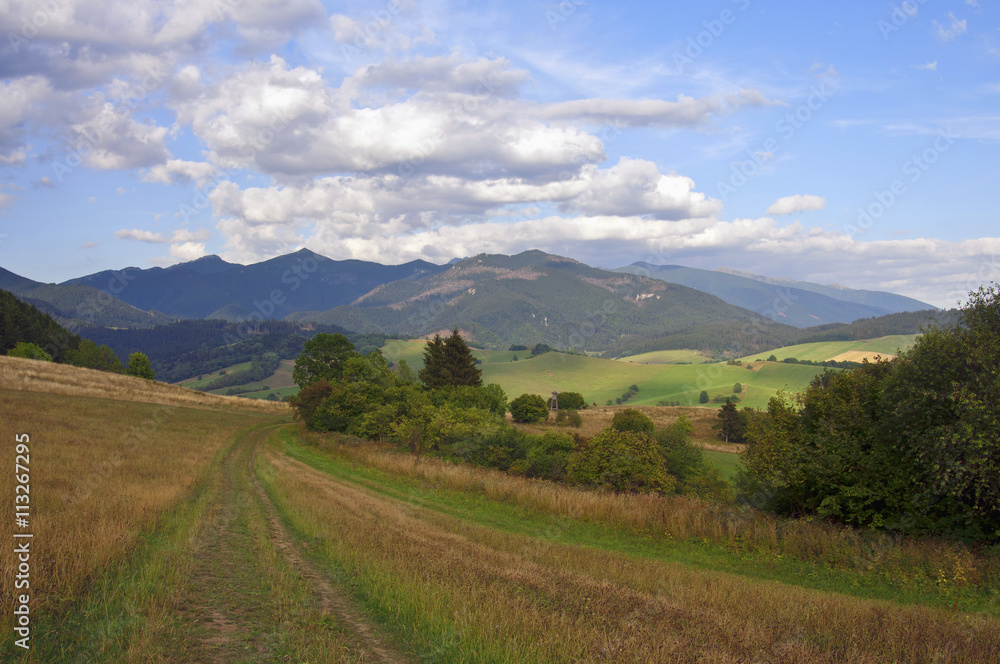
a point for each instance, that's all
(850, 142)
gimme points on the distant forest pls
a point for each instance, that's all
(189, 348)
(730, 339)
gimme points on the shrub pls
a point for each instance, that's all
(703, 397)
(29, 351)
(548, 455)
(572, 401)
(529, 408)
(620, 461)
(569, 418)
(632, 420)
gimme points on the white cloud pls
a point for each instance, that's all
(636, 187)
(109, 138)
(178, 237)
(795, 204)
(7, 200)
(685, 112)
(19, 101)
(954, 29)
(972, 3)
(930, 66)
(286, 121)
(178, 170)
(140, 235)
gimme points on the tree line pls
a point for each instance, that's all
(29, 333)
(446, 410)
(910, 444)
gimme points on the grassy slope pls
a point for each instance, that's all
(600, 379)
(153, 562)
(826, 350)
(520, 583)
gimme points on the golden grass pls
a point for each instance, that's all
(50, 378)
(914, 563)
(493, 596)
(102, 472)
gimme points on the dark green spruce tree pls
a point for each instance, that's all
(449, 362)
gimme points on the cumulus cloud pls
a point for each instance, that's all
(110, 138)
(636, 187)
(795, 204)
(287, 121)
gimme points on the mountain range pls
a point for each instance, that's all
(797, 303)
(496, 300)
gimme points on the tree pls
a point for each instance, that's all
(737, 388)
(29, 351)
(572, 400)
(621, 461)
(632, 420)
(703, 397)
(460, 362)
(733, 423)
(449, 362)
(323, 357)
(139, 365)
(529, 408)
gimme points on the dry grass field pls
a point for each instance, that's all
(50, 378)
(177, 527)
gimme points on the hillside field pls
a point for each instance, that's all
(852, 351)
(601, 379)
(259, 542)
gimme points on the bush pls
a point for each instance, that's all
(737, 388)
(29, 351)
(703, 397)
(569, 418)
(572, 401)
(548, 455)
(529, 408)
(632, 420)
(621, 461)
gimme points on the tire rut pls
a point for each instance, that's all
(332, 599)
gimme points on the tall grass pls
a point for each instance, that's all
(102, 474)
(50, 378)
(462, 592)
(908, 562)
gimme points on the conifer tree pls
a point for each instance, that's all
(449, 362)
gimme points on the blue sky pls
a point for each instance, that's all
(851, 142)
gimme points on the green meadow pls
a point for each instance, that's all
(828, 350)
(600, 380)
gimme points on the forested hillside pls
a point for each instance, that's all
(79, 304)
(190, 348)
(534, 298)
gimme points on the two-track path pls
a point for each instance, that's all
(233, 597)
